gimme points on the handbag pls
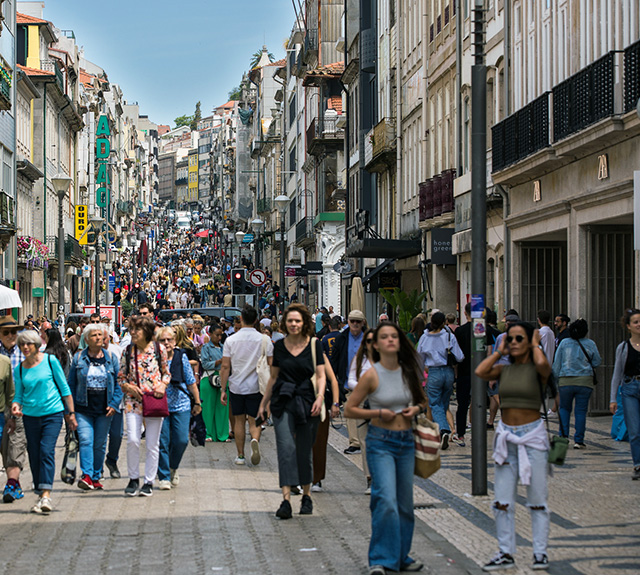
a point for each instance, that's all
(323, 409)
(451, 359)
(70, 459)
(426, 437)
(558, 445)
(152, 406)
(262, 367)
(593, 369)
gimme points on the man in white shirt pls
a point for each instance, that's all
(548, 343)
(240, 356)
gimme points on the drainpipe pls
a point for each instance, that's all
(507, 60)
(44, 181)
(506, 278)
(459, 33)
(399, 186)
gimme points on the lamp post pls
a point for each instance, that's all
(225, 236)
(282, 203)
(96, 223)
(60, 184)
(257, 226)
(239, 237)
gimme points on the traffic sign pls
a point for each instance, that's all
(248, 238)
(257, 278)
(112, 283)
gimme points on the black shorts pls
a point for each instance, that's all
(245, 404)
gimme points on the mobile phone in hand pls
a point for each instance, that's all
(261, 418)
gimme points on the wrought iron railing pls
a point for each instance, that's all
(584, 98)
(631, 76)
(263, 205)
(521, 134)
(304, 231)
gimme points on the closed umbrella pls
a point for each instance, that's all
(357, 294)
(9, 298)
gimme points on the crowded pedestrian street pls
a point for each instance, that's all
(221, 520)
(320, 286)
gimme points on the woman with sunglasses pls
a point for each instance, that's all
(174, 436)
(521, 444)
(573, 368)
(393, 387)
(361, 363)
(41, 394)
(625, 383)
(435, 347)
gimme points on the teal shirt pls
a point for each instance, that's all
(36, 390)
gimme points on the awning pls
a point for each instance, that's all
(202, 234)
(379, 248)
(375, 271)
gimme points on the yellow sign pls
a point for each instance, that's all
(82, 221)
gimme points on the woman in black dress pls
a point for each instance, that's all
(296, 404)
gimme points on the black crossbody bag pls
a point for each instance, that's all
(593, 369)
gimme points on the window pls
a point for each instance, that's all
(292, 161)
(293, 213)
(292, 110)
(465, 135)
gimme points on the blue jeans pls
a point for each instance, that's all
(390, 456)
(92, 433)
(581, 394)
(116, 431)
(1, 424)
(439, 390)
(506, 487)
(174, 438)
(42, 433)
(630, 392)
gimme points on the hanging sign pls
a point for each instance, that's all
(82, 221)
(103, 149)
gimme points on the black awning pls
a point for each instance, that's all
(379, 248)
(375, 271)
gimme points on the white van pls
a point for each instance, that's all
(184, 222)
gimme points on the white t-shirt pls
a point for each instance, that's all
(115, 350)
(548, 342)
(266, 321)
(244, 349)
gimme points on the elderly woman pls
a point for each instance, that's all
(41, 392)
(143, 370)
(93, 378)
(174, 436)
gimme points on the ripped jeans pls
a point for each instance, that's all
(505, 490)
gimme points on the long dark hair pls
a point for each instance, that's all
(57, 348)
(362, 352)
(408, 360)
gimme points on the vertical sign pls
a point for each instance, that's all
(103, 149)
(82, 220)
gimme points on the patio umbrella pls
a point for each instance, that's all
(357, 294)
(9, 298)
(203, 234)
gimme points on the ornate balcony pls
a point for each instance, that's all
(383, 146)
(323, 133)
(305, 233)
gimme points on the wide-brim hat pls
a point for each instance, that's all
(356, 314)
(7, 322)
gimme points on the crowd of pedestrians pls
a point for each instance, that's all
(241, 373)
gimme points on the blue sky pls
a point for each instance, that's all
(169, 55)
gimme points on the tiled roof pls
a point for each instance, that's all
(86, 78)
(34, 71)
(335, 103)
(25, 19)
(278, 63)
(334, 70)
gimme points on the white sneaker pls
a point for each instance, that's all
(36, 508)
(45, 505)
(240, 460)
(164, 485)
(552, 414)
(175, 478)
(255, 452)
(317, 487)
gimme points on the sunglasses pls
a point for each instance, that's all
(518, 338)
(355, 321)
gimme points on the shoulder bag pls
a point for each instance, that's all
(558, 444)
(323, 409)
(451, 359)
(262, 367)
(426, 437)
(593, 369)
(152, 406)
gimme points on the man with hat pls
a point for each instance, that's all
(14, 441)
(344, 351)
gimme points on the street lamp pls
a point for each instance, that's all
(96, 224)
(239, 237)
(282, 203)
(60, 184)
(257, 226)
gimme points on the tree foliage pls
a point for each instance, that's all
(255, 58)
(197, 116)
(235, 93)
(183, 121)
(406, 305)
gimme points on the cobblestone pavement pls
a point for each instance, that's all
(221, 519)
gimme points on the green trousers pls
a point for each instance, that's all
(215, 415)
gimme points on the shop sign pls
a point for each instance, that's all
(82, 221)
(603, 167)
(441, 244)
(537, 192)
(103, 149)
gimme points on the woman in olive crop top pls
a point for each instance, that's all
(521, 444)
(393, 387)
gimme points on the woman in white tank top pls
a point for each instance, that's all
(393, 387)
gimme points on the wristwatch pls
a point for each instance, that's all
(337, 404)
(198, 404)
